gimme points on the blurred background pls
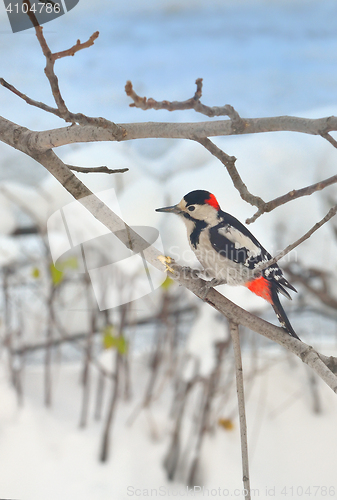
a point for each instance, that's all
(140, 399)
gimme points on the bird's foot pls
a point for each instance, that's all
(188, 272)
(165, 260)
(211, 284)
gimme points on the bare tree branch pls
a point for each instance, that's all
(229, 162)
(51, 58)
(234, 331)
(304, 276)
(28, 100)
(62, 111)
(49, 69)
(332, 212)
(103, 170)
(100, 129)
(192, 103)
(78, 337)
(292, 195)
(42, 141)
(330, 139)
(78, 46)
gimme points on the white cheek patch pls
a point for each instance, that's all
(240, 240)
(202, 212)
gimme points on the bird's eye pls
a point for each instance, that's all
(191, 208)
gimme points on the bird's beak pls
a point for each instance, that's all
(174, 209)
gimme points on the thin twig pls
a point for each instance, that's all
(117, 131)
(75, 48)
(49, 69)
(332, 212)
(229, 162)
(292, 195)
(92, 170)
(303, 276)
(234, 331)
(104, 453)
(330, 139)
(77, 337)
(28, 100)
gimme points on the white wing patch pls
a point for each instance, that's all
(240, 240)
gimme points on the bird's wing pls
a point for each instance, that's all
(238, 246)
(233, 240)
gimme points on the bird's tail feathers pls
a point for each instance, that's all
(280, 313)
(284, 292)
(282, 283)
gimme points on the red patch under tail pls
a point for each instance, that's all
(261, 287)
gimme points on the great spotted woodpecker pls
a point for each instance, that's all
(229, 252)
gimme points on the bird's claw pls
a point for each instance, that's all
(210, 284)
(166, 260)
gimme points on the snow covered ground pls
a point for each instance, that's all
(44, 454)
(264, 58)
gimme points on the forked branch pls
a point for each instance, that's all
(51, 58)
(292, 195)
(192, 103)
(263, 207)
(62, 110)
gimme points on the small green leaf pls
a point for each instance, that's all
(56, 275)
(35, 272)
(167, 283)
(121, 345)
(110, 341)
(108, 337)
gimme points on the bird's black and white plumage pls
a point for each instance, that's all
(229, 252)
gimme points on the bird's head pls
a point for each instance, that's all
(196, 205)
